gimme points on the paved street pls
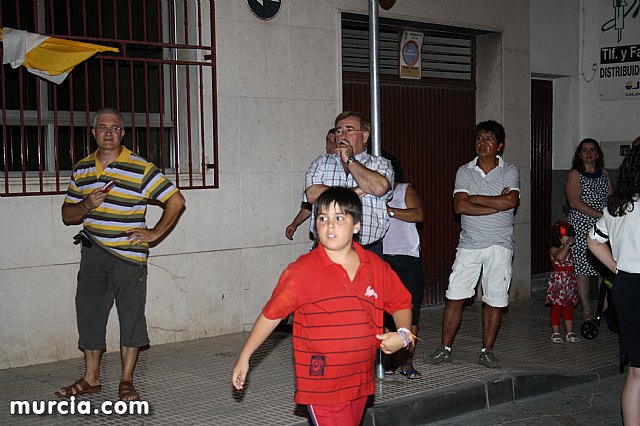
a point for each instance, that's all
(188, 382)
(594, 403)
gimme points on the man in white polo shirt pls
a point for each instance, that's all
(486, 192)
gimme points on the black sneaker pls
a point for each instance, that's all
(439, 356)
(489, 360)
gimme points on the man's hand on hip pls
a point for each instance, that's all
(142, 235)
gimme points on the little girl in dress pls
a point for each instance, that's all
(562, 290)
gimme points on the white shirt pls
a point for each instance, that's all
(624, 235)
(402, 237)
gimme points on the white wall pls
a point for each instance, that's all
(555, 55)
(564, 48)
(603, 120)
(611, 122)
(278, 92)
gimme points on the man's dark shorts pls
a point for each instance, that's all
(103, 278)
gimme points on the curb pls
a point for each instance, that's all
(474, 395)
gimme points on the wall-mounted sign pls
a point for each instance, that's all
(410, 55)
(619, 70)
(264, 9)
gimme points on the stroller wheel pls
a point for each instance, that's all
(589, 330)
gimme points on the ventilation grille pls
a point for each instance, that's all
(442, 57)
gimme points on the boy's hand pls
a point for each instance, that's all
(239, 374)
(390, 342)
(261, 330)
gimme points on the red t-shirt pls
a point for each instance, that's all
(335, 322)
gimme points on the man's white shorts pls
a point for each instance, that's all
(495, 265)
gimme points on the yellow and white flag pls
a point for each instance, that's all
(51, 58)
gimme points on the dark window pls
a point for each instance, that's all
(159, 80)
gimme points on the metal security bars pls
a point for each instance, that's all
(443, 56)
(162, 80)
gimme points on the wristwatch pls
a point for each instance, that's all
(351, 160)
(392, 213)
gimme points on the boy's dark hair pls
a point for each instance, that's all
(345, 199)
(493, 127)
(627, 186)
(577, 163)
(559, 230)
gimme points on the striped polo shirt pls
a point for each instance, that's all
(479, 232)
(335, 322)
(136, 182)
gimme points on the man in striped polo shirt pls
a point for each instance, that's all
(486, 192)
(115, 246)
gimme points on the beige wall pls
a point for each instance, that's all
(278, 92)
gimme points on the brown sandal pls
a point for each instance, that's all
(127, 392)
(81, 386)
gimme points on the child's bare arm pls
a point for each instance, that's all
(402, 318)
(392, 342)
(262, 328)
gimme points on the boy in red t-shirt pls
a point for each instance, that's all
(339, 293)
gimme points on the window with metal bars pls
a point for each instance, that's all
(162, 80)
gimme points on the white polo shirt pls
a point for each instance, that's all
(480, 232)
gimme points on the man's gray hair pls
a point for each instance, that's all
(110, 111)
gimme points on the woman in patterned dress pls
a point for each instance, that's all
(587, 188)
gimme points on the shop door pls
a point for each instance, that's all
(541, 151)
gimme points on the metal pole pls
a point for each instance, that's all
(374, 72)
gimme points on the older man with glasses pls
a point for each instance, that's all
(369, 176)
(108, 193)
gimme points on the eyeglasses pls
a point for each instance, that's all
(109, 128)
(347, 131)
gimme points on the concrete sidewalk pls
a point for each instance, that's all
(189, 382)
